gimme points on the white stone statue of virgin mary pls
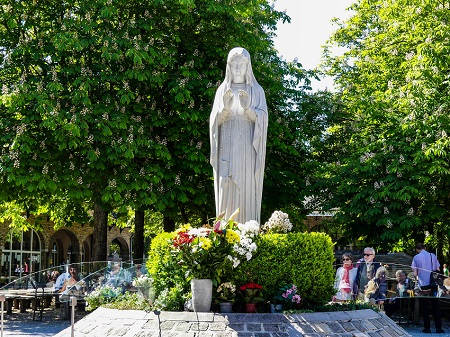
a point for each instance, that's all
(238, 133)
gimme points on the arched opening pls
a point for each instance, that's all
(65, 249)
(22, 254)
(120, 246)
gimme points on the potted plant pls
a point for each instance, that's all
(226, 297)
(206, 253)
(144, 285)
(251, 294)
(287, 296)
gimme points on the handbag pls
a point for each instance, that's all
(432, 287)
(433, 284)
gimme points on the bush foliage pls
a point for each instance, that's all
(166, 271)
(303, 259)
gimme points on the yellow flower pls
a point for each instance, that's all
(205, 243)
(184, 228)
(232, 237)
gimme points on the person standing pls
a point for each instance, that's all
(367, 268)
(422, 265)
(445, 270)
(345, 277)
(238, 134)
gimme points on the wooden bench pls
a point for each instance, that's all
(24, 302)
(9, 303)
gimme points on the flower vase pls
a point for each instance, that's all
(143, 292)
(250, 308)
(201, 294)
(226, 307)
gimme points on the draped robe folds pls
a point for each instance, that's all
(238, 151)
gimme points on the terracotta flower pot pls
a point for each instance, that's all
(250, 308)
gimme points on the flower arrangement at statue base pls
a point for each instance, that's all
(143, 284)
(251, 294)
(278, 223)
(212, 252)
(288, 297)
(226, 296)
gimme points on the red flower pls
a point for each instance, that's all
(250, 285)
(182, 238)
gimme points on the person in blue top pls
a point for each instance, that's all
(60, 280)
(422, 265)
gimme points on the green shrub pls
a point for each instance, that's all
(171, 299)
(101, 296)
(169, 280)
(303, 259)
(128, 301)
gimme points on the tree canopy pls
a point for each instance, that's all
(105, 103)
(387, 149)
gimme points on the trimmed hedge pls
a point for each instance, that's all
(166, 273)
(305, 259)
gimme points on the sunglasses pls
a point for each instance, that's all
(367, 254)
(346, 260)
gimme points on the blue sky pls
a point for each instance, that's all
(309, 29)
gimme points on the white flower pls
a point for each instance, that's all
(278, 223)
(142, 281)
(250, 228)
(199, 232)
(234, 260)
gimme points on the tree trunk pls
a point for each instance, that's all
(169, 224)
(138, 239)
(99, 248)
(184, 215)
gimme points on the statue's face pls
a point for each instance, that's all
(238, 66)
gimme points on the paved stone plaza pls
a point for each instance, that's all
(114, 323)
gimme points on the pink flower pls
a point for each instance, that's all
(296, 298)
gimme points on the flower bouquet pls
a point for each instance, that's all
(212, 252)
(287, 295)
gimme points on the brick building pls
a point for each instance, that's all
(31, 251)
